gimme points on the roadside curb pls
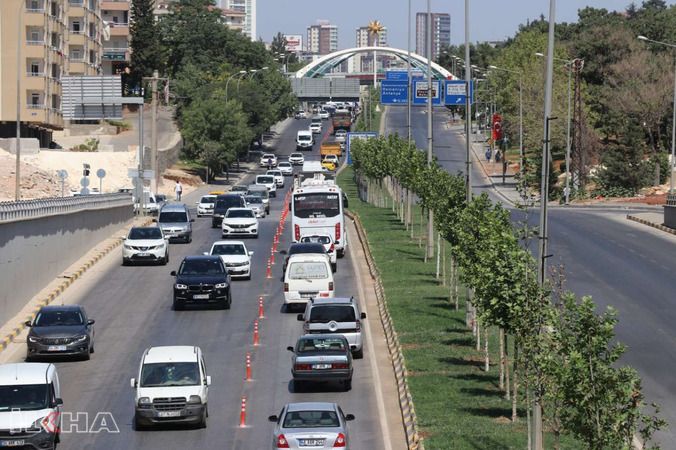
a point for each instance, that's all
(408, 414)
(57, 291)
(652, 224)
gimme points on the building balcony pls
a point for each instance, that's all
(119, 29)
(76, 38)
(115, 54)
(77, 67)
(34, 49)
(34, 20)
(34, 81)
(115, 5)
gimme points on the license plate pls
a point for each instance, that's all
(201, 296)
(143, 254)
(321, 366)
(311, 442)
(169, 414)
(13, 443)
(56, 348)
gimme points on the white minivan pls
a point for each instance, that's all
(307, 276)
(304, 140)
(172, 387)
(30, 405)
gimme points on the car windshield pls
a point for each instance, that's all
(308, 270)
(201, 267)
(284, 164)
(307, 248)
(25, 397)
(173, 217)
(324, 240)
(239, 213)
(228, 249)
(238, 189)
(254, 200)
(296, 155)
(145, 233)
(170, 374)
(304, 137)
(208, 199)
(306, 206)
(335, 344)
(311, 419)
(274, 173)
(58, 318)
(264, 179)
(268, 156)
(327, 313)
(228, 202)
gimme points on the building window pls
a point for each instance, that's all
(75, 26)
(35, 36)
(75, 54)
(35, 69)
(35, 99)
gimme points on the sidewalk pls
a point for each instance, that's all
(652, 219)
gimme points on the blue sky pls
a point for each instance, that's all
(489, 19)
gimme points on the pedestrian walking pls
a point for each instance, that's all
(488, 154)
(178, 189)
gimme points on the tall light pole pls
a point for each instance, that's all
(430, 138)
(17, 148)
(238, 74)
(468, 108)
(408, 65)
(544, 196)
(673, 119)
(520, 74)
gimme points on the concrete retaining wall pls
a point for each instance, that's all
(35, 251)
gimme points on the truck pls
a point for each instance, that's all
(330, 148)
(342, 120)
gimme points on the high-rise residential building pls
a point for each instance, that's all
(116, 55)
(53, 38)
(234, 19)
(441, 33)
(364, 38)
(248, 7)
(322, 38)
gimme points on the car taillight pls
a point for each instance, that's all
(330, 285)
(303, 366)
(296, 230)
(282, 442)
(340, 366)
(306, 327)
(337, 232)
(358, 326)
(286, 287)
(340, 440)
(332, 248)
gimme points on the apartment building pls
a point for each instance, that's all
(322, 38)
(441, 33)
(116, 55)
(246, 7)
(40, 42)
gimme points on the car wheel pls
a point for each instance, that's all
(298, 386)
(189, 239)
(213, 224)
(334, 267)
(203, 421)
(340, 253)
(138, 425)
(87, 355)
(125, 262)
(358, 354)
(347, 384)
(229, 304)
(176, 306)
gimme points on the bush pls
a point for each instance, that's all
(90, 145)
(122, 125)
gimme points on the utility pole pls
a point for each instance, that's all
(468, 108)
(153, 134)
(430, 139)
(544, 196)
(17, 148)
(409, 196)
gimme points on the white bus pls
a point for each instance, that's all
(317, 207)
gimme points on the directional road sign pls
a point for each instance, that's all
(393, 92)
(420, 92)
(456, 92)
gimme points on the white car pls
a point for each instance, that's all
(240, 222)
(296, 159)
(307, 276)
(286, 168)
(324, 114)
(331, 158)
(147, 244)
(172, 387)
(235, 256)
(327, 241)
(268, 159)
(316, 128)
(279, 177)
(269, 182)
(205, 206)
(341, 136)
(256, 203)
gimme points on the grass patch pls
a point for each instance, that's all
(459, 406)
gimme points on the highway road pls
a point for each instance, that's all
(132, 309)
(619, 263)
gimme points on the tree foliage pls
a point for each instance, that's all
(146, 51)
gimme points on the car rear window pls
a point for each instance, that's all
(308, 270)
(311, 419)
(307, 345)
(316, 239)
(327, 313)
(265, 179)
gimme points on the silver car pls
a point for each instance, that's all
(321, 358)
(256, 204)
(338, 316)
(311, 425)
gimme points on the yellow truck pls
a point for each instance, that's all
(330, 148)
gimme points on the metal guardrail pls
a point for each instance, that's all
(671, 199)
(33, 209)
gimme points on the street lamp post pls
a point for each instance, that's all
(520, 74)
(17, 185)
(468, 108)
(430, 139)
(238, 74)
(673, 120)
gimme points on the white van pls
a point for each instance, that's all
(307, 276)
(172, 387)
(30, 405)
(304, 140)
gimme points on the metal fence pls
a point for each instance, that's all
(32, 209)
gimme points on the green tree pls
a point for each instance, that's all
(146, 51)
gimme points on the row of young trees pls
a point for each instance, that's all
(192, 47)
(564, 355)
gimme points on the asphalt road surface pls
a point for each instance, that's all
(132, 308)
(619, 263)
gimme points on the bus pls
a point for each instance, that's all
(317, 207)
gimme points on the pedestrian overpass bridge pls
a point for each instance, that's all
(316, 82)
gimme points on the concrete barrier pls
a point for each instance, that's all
(38, 248)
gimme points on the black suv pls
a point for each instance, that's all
(202, 280)
(223, 203)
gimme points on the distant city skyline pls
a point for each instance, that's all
(490, 20)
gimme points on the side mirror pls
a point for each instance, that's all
(173, 273)
(155, 220)
(251, 253)
(282, 252)
(192, 220)
(349, 417)
(91, 322)
(207, 382)
(300, 317)
(289, 205)
(132, 382)
(28, 323)
(58, 402)
(289, 348)
(363, 316)
(205, 253)
(273, 418)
